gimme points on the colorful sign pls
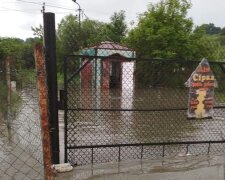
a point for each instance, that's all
(201, 94)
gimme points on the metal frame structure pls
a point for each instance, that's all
(82, 146)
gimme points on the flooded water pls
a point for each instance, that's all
(94, 127)
(182, 168)
(20, 141)
(146, 115)
(132, 116)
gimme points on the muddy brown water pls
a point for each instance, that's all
(130, 116)
(117, 127)
(180, 168)
(20, 140)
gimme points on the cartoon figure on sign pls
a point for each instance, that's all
(201, 83)
(200, 110)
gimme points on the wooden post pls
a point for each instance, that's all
(8, 82)
(43, 103)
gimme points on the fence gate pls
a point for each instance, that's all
(119, 108)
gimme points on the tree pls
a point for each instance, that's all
(12, 47)
(38, 31)
(71, 38)
(20, 51)
(117, 28)
(165, 31)
(222, 32)
(211, 48)
(93, 32)
(68, 35)
(212, 45)
(210, 29)
(68, 40)
(28, 52)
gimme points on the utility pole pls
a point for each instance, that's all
(79, 13)
(51, 72)
(43, 8)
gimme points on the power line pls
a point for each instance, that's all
(31, 2)
(28, 11)
(84, 14)
(31, 11)
(10, 9)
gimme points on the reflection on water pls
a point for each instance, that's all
(130, 115)
(127, 85)
(20, 145)
(183, 168)
(139, 116)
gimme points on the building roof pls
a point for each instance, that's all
(107, 48)
(111, 45)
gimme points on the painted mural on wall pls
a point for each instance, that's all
(202, 83)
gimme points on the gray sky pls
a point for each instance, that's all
(17, 16)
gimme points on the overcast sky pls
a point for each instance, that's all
(17, 16)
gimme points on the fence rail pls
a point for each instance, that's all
(20, 135)
(119, 109)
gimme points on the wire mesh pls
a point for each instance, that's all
(20, 134)
(128, 104)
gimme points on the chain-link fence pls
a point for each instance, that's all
(20, 133)
(121, 108)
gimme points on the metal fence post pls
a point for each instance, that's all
(8, 82)
(50, 59)
(43, 102)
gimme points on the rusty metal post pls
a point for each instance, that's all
(8, 82)
(44, 118)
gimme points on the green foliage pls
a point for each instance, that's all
(210, 29)
(117, 28)
(60, 80)
(222, 32)
(28, 52)
(10, 46)
(164, 31)
(38, 31)
(68, 39)
(3, 97)
(212, 44)
(71, 37)
(14, 104)
(24, 77)
(211, 48)
(21, 54)
(19, 51)
(68, 35)
(93, 32)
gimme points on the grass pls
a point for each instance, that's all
(15, 100)
(60, 80)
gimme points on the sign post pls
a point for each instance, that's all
(202, 83)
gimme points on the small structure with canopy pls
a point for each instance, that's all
(111, 63)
